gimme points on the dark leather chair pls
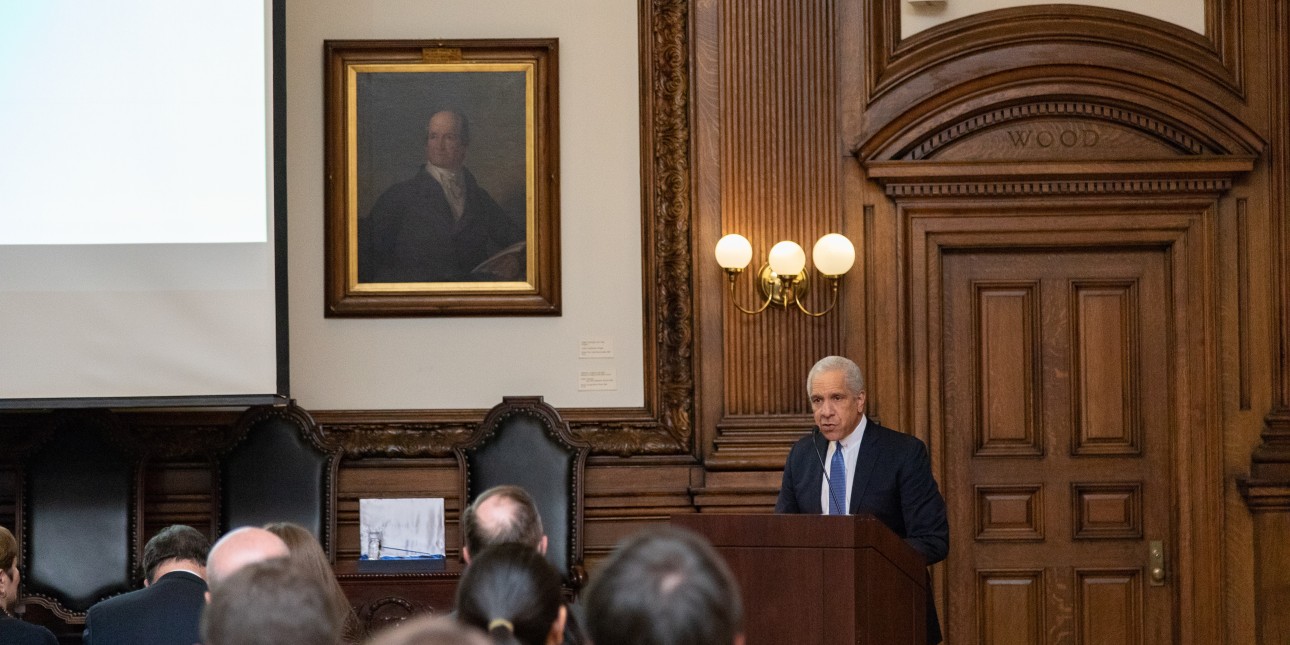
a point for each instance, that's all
(278, 470)
(80, 518)
(524, 442)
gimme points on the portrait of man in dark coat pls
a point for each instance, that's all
(441, 225)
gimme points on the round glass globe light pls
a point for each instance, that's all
(734, 251)
(787, 258)
(833, 254)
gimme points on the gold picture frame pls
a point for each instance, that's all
(442, 178)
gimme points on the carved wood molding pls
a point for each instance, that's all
(383, 613)
(1270, 462)
(51, 606)
(666, 203)
(988, 37)
(398, 440)
(1070, 187)
(1082, 114)
(1188, 175)
(1272, 457)
(433, 433)
(1265, 496)
(397, 433)
(625, 440)
(1183, 142)
(756, 442)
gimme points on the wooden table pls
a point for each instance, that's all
(383, 599)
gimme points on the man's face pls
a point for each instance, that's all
(445, 146)
(837, 411)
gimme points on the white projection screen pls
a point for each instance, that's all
(142, 203)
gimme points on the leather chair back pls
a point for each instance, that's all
(280, 470)
(524, 442)
(80, 519)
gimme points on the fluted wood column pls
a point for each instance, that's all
(769, 164)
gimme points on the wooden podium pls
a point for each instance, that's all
(820, 579)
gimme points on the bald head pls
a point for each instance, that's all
(500, 515)
(241, 547)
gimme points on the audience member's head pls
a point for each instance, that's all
(500, 515)
(431, 630)
(175, 547)
(513, 593)
(9, 577)
(310, 557)
(665, 586)
(272, 602)
(239, 548)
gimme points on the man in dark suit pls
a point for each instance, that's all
(440, 225)
(848, 465)
(169, 607)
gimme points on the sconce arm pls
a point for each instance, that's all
(833, 298)
(732, 274)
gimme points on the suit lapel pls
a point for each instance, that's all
(812, 502)
(865, 462)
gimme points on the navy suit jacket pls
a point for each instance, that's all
(411, 234)
(169, 611)
(16, 632)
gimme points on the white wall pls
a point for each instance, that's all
(916, 17)
(359, 363)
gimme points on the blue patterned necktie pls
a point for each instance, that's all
(837, 482)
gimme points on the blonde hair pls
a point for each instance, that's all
(8, 549)
(8, 560)
(308, 554)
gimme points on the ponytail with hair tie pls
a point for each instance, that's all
(503, 623)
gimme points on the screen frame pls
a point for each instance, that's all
(281, 395)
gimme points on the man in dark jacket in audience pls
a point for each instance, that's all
(169, 607)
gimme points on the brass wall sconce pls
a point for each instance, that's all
(783, 278)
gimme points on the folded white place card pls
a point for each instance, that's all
(397, 529)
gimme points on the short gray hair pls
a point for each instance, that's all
(851, 375)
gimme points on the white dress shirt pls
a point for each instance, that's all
(454, 187)
(850, 450)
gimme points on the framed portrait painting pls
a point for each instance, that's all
(442, 178)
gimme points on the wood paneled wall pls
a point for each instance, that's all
(774, 113)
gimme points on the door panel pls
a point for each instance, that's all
(1057, 444)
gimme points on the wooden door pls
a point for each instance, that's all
(1057, 445)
